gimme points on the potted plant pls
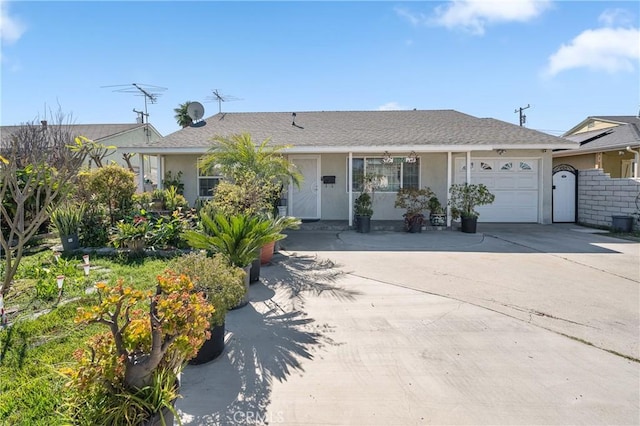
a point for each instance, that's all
(157, 200)
(237, 238)
(223, 287)
(363, 210)
(416, 202)
(128, 374)
(279, 224)
(463, 200)
(437, 215)
(66, 220)
(132, 234)
(259, 167)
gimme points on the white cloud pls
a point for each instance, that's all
(413, 18)
(475, 15)
(601, 49)
(615, 17)
(11, 28)
(391, 106)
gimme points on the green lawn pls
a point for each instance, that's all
(42, 336)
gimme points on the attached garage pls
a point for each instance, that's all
(514, 181)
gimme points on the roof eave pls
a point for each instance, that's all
(593, 150)
(362, 149)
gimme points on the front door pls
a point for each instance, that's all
(564, 193)
(305, 201)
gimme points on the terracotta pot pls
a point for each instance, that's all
(266, 253)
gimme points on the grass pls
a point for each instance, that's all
(43, 336)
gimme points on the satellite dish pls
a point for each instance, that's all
(195, 110)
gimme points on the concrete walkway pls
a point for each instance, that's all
(519, 324)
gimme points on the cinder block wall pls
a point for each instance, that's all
(600, 197)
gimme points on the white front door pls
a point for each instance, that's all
(305, 201)
(564, 196)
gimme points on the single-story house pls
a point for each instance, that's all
(433, 148)
(610, 143)
(117, 135)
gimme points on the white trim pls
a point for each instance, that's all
(160, 168)
(573, 152)
(141, 173)
(368, 149)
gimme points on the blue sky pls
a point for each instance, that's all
(566, 59)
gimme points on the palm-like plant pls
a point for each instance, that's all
(182, 116)
(237, 238)
(238, 156)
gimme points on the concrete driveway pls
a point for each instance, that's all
(518, 324)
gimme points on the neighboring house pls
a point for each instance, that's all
(409, 148)
(603, 145)
(116, 135)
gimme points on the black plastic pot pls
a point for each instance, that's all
(413, 224)
(211, 348)
(622, 223)
(70, 242)
(469, 224)
(363, 224)
(254, 272)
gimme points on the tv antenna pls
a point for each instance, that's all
(220, 98)
(150, 93)
(523, 118)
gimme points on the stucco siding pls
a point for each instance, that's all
(580, 162)
(187, 164)
(335, 198)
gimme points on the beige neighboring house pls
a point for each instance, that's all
(433, 148)
(610, 143)
(117, 135)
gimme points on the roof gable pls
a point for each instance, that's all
(593, 123)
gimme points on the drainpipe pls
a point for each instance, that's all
(636, 155)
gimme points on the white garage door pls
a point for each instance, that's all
(514, 182)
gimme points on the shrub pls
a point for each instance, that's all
(222, 283)
(130, 371)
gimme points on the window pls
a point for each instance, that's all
(207, 182)
(391, 176)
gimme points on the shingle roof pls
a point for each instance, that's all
(333, 129)
(631, 119)
(95, 132)
(611, 138)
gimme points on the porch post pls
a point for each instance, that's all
(160, 169)
(449, 182)
(468, 166)
(141, 173)
(350, 191)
